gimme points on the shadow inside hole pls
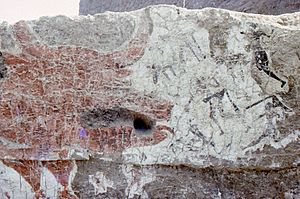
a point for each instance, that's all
(140, 124)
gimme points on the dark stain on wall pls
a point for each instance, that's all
(3, 68)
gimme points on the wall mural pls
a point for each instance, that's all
(106, 105)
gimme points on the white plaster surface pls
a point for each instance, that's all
(13, 185)
(49, 185)
(100, 182)
(186, 73)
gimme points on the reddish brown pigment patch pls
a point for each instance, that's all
(29, 170)
(115, 139)
(60, 169)
(49, 87)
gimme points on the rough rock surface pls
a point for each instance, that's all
(270, 7)
(161, 102)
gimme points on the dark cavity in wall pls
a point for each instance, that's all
(142, 124)
(114, 117)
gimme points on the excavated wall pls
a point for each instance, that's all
(162, 102)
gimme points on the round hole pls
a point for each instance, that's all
(141, 125)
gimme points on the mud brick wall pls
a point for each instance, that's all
(162, 102)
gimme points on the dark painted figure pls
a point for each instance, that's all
(262, 63)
